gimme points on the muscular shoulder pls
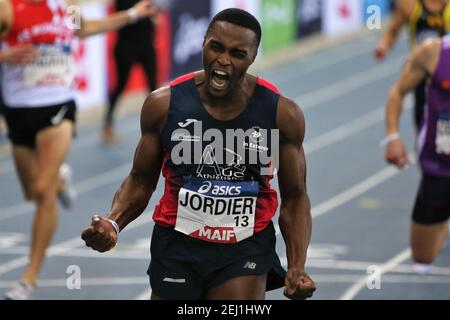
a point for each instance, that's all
(155, 109)
(290, 121)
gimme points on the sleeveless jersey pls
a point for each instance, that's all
(49, 80)
(434, 137)
(217, 173)
(424, 24)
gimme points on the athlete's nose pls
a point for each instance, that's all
(224, 59)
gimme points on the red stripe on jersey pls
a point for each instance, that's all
(182, 79)
(266, 206)
(165, 213)
(267, 84)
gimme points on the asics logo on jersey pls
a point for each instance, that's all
(219, 190)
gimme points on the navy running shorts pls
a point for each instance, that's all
(433, 200)
(183, 267)
(25, 123)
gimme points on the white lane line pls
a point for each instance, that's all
(397, 279)
(350, 84)
(85, 186)
(311, 145)
(66, 246)
(357, 190)
(306, 101)
(351, 292)
(324, 62)
(145, 295)
(87, 253)
(84, 282)
(84, 141)
(348, 129)
(353, 192)
(362, 266)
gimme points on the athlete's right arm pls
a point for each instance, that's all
(134, 194)
(5, 17)
(398, 19)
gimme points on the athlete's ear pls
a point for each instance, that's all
(254, 56)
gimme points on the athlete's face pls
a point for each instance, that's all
(228, 51)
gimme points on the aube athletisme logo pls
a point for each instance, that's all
(225, 151)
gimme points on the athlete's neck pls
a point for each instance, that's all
(230, 105)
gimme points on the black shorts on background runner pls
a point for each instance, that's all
(432, 201)
(25, 123)
(183, 267)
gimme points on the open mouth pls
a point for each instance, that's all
(219, 79)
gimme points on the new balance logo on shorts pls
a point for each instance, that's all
(250, 265)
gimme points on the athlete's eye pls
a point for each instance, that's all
(215, 46)
(238, 54)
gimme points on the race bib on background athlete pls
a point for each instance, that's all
(217, 211)
(443, 134)
(53, 66)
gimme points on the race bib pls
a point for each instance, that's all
(53, 66)
(217, 211)
(443, 134)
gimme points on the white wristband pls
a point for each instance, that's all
(116, 226)
(133, 15)
(389, 138)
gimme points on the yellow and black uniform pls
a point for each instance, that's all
(424, 24)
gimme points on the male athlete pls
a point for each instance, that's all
(214, 134)
(424, 19)
(429, 229)
(38, 93)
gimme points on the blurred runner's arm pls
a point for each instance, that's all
(5, 17)
(414, 72)
(398, 19)
(134, 194)
(295, 217)
(142, 9)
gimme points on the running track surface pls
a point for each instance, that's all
(361, 207)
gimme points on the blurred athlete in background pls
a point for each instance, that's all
(38, 93)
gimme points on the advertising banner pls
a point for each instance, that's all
(309, 17)
(189, 21)
(90, 56)
(340, 16)
(279, 23)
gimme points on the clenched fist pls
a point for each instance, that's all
(100, 235)
(298, 285)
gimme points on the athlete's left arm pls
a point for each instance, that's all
(295, 217)
(142, 9)
(418, 68)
